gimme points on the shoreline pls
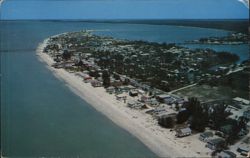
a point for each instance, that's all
(159, 140)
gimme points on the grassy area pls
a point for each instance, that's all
(207, 93)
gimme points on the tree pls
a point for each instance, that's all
(182, 116)
(219, 114)
(242, 124)
(198, 113)
(66, 55)
(106, 78)
(80, 63)
(116, 76)
(165, 121)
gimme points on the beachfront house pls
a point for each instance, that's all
(96, 83)
(121, 97)
(110, 89)
(182, 132)
(216, 144)
(205, 136)
(224, 154)
(58, 65)
(135, 104)
(167, 120)
(87, 78)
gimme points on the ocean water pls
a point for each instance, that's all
(40, 116)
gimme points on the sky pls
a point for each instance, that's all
(124, 9)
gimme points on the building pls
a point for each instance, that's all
(110, 89)
(182, 132)
(135, 104)
(133, 93)
(159, 110)
(243, 149)
(116, 83)
(246, 114)
(161, 98)
(96, 83)
(241, 100)
(216, 144)
(153, 102)
(226, 129)
(87, 77)
(121, 97)
(225, 154)
(205, 136)
(145, 98)
(164, 115)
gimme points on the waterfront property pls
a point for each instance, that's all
(182, 132)
(205, 136)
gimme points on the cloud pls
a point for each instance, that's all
(245, 2)
(1, 1)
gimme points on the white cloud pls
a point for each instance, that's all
(1, 1)
(245, 2)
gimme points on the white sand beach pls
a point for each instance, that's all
(160, 140)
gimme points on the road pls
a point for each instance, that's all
(183, 88)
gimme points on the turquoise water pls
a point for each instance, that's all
(40, 116)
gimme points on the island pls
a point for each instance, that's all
(141, 86)
(235, 38)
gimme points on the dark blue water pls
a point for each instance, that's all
(42, 117)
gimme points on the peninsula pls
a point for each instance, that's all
(135, 84)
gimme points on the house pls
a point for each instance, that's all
(110, 89)
(121, 97)
(164, 115)
(135, 104)
(167, 120)
(116, 83)
(96, 83)
(226, 129)
(246, 114)
(169, 100)
(133, 93)
(145, 98)
(243, 149)
(161, 98)
(152, 102)
(205, 135)
(87, 77)
(225, 154)
(216, 144)
(182, 132)
(241, 100)
(141, 91)
(68, 65)
(159, 110)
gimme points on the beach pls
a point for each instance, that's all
(160, 140)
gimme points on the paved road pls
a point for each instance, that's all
(183, 88)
